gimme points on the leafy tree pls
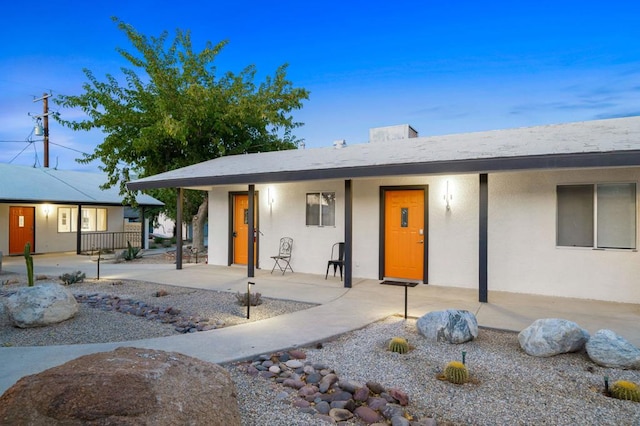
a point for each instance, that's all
(180, 111)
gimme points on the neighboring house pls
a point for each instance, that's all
(40, 206)
(549, 210)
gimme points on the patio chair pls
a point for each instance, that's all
(283, 258)
(337, 259)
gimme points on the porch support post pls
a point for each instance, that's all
(483, 238)
(252, 227)
(179, 228)
(79, 230)
(348, 232)
(143, 229)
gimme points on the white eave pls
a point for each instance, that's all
(601, 143)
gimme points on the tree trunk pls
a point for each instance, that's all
(197, 223)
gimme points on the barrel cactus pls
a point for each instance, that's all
(399, 345)
(623, 389)
(456, 372)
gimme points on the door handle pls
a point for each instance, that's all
(421, 242)
(234, 234)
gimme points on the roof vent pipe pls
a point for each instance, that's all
(340, 143)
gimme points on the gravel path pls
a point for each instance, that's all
(508, 387)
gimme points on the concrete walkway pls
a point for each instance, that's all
(340, 310)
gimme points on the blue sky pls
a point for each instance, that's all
(443, 67)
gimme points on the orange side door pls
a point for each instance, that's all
(21, 228)
(241, 230)
(405, 237)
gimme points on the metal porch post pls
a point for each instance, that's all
(252, 227)
(79, 230)
(179, 229)
(348, 232)
(483, 236)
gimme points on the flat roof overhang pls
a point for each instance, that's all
(477, 165)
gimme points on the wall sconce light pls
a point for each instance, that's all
(448, 197)
(270, 197)
(46, 208)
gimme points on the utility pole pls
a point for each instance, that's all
(45, 125)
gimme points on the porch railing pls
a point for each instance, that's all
(94, 241)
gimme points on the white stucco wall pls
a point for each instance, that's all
(523, 256)
(47, 237)
(452, 235)
(522, 252)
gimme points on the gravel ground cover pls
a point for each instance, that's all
(92, 325)
(507, 386)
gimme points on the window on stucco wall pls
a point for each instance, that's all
(93, 219)
(321, 209)
(600, 215)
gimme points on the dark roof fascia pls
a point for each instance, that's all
(71, 203)
(476, 165)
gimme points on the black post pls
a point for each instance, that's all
(99, 252)
(79, 230)
(143, 229)
(252, 232)
(249, 284)
(179, 229)
(348, 233)
(483, 243)
(406, 292)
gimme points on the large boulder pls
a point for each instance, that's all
(453, 326)
(552, 336)
(41, 305)
(608, 349)
(127, 386)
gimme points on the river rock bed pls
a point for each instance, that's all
(190, 308)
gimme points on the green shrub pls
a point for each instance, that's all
(131, 252)
(72, 278)
(243, 299)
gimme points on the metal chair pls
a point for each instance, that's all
(284, 255)
(337, 259)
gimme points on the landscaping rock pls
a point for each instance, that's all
(368, 415)
(127, 386)
(608, 349)
(41, 305)
(552, 336)
(340, 414)
(453, 326)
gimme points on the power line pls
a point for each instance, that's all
(70, 149)
(18, 154)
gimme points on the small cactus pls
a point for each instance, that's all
(456, 372)
(399, 345)
(29, 261)
(623, 389)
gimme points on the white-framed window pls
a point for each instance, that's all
(93, 219)
(321, 209)
(597, 215)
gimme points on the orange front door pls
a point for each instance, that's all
(21, 228)
(241, 229)
(404, 234)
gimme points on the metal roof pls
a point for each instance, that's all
(37, 185)
(600, 143)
